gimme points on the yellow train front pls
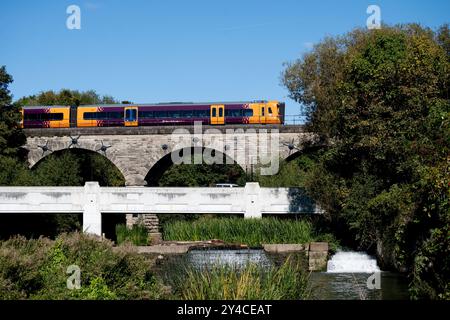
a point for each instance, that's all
(117, 115)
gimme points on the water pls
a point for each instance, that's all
(345, 278)
(352, 262)
(238, 258)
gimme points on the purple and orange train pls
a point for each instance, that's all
(129, 115)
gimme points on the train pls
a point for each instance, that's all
(159, 114)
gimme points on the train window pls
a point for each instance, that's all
(214, 112)
(32, 116)
(146, 114)
(102, 115)
(43, 116)
(233, 112)
(270, 110)
(220, 112)
(262, 111)
(175, 114)
(186, 113)
(201, 113)
(114, 115)
(130, 114)
(248, 112)
(160, 114)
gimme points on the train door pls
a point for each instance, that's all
(131, 116)
(73, 116)
(263, 113)
(217, 114)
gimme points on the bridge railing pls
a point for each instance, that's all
(92, 201)
(294, 119)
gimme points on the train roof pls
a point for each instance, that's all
(165, 104)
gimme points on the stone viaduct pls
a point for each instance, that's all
(137, 151)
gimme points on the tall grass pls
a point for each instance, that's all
(137, 235)
(252, 232)
(253, 282)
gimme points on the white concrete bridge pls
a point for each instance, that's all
(92, 201)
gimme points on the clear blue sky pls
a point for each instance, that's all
(155, 51)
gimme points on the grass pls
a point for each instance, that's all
(252, 232)
(253, 282)
(137, 235)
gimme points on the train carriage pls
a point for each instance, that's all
(130, 115)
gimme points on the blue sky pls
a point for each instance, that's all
(197, 50)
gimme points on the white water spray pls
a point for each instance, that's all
(352, 262)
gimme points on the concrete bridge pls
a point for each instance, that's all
(139, 152)
(92, 201)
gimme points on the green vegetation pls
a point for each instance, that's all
(252, 232)
(381, 100)
(201, 175)
(137, 235)
(65, 97)
(291, 173)
(253, 282)
(36, 269)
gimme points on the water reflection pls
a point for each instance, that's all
(353, 286)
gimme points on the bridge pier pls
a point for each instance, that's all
(252, 193)
(92, 217)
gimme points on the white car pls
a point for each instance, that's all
(226, 185)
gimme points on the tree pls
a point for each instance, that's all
(381, 97)
(66, 97)
(11, 137)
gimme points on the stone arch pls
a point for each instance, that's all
(87, 166)
(36, 153)
(157, 170)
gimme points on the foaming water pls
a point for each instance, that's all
(352, 262)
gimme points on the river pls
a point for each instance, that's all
(345, 278)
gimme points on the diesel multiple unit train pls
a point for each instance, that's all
(133, 115)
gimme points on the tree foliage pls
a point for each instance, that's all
(65, 97)
(381, 97)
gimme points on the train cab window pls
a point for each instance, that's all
(270, 110)
(214, 112)
(130, 115)
(220, 112)
(248, 112)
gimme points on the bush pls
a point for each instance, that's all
(36, 269)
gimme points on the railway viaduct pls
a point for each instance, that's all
(137, 151)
